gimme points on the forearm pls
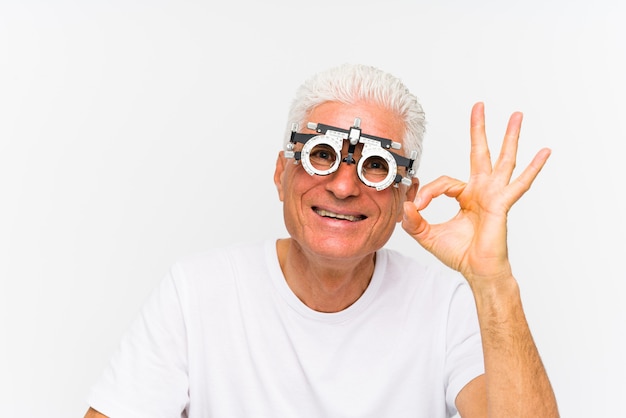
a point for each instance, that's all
(516, 381)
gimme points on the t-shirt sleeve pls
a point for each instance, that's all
(148, 375)
(464, 353)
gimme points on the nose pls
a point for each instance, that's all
(344, 182)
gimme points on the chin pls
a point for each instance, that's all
(340, 248)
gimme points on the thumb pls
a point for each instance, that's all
(412, 221)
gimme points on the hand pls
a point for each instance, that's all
(474, 242)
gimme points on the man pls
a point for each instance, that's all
(327, 323)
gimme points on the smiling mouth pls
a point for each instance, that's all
(332, 215)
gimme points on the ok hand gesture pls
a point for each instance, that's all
(474, 242)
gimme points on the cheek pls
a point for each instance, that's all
(396, 204)
(294, 185)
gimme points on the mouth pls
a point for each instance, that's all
(344, 217)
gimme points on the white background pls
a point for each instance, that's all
(133, 132)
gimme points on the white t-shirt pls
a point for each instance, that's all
(224, 336)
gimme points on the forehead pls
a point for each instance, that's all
(375, 120)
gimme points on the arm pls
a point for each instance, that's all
(474, 243)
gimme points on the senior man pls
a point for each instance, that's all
(327, 322)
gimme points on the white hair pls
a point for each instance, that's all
(353, 83)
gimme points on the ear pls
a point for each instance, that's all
(281, 161)
(412, 190)
(409, 196)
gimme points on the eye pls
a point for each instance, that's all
(376, 164)
(322, 156)
(375, 168)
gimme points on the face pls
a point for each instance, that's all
(337, 216)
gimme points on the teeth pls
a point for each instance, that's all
(328, 214)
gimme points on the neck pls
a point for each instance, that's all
(324, 285)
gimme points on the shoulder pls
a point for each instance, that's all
(400, 267)
(215, 270)
(422, 290)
